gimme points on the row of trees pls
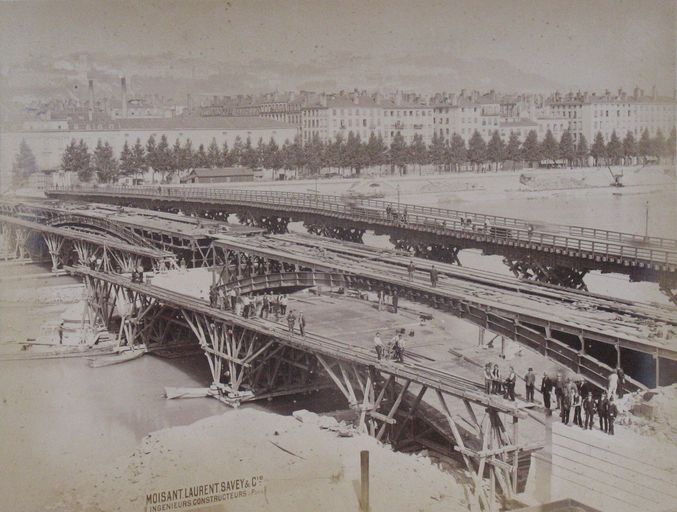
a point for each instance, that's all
(352, 153)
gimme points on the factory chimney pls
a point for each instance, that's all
(123, 85)
(91, 99)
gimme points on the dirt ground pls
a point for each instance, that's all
(287, 465)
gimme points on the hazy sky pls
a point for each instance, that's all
(587, 44)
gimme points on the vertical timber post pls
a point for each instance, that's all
(364, 477)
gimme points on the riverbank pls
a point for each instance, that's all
(262, 462)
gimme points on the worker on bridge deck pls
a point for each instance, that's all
(530, 381)
(589, 407)
(378, 345)
(496, 380)
(487, 378)
(577, 403)
(546, 389)
(433, 276)
(603, 411)
(612, 412)
(291, 320)
(398, 347)
(410, 270)
(510, 384)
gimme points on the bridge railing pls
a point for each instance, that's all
(505, 230)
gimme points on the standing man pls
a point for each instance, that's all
(378, 345)
(546, 388)
(410, 270)
(510, 384)
(283, 305)
(577, 409)
(213, 297)
(530, 381)
(487, 378)
(291, 320)
(244, 305)
(589, 409)
(496, 380)
(398, 348)
(603, 411)
(566, 407)
(60, 330)
(302, 324)
(612, 413)
(559, 390)
(396, 299)
(265, 309)
(433, 276)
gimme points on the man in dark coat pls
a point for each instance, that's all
(612, 412)
(566, 408)
(395, 299)
(589, 409)
(530, 381)
(433, 276)
(410, 270)
(510, 384)
(603, 411)
(559, 390)
(487, 378)
(546, 388)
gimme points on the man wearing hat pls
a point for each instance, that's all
(530, 381)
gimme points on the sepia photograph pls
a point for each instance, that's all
(338, 255)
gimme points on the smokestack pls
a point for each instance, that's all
(123, 85)
(189, 103)
(91, 99)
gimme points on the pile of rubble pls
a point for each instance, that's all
(651, 413)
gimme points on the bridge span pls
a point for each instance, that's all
(591, 334)
(252, 358)
(66, 245)
(556, 254)
(184, 236)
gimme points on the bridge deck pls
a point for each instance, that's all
(418, 372)
(595, 316)
(171, 224)
(600, 246)
(74, 234)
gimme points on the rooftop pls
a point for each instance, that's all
(221, 172)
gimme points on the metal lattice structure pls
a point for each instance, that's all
(251, 359)
(67, 246)
(518, 240)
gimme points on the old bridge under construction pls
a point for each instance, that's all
(415, 402)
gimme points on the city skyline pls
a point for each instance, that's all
(235, 47)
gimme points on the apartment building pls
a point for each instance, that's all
(409, 116)
(588, 114)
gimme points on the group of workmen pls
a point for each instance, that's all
(393, 349)
(494, 384)
(262, 305)
(396, 215)
(577, 395)
(580, 396)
